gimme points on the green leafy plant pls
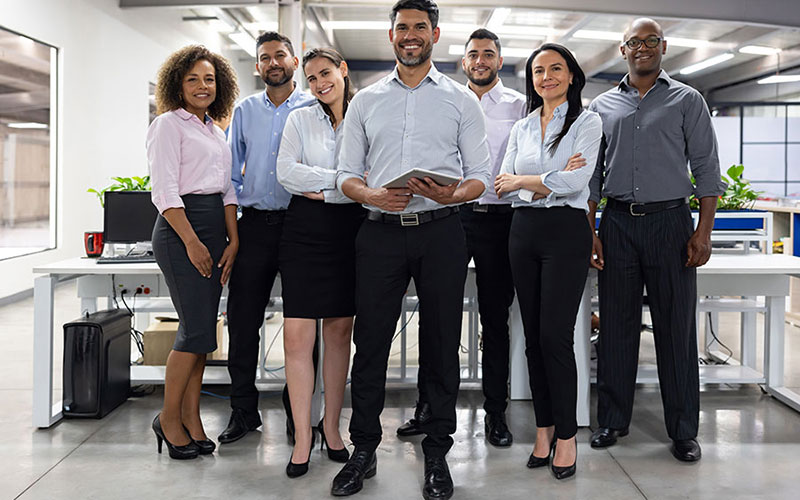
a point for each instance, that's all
(739, 194)
(123, 184)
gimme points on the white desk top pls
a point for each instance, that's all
(85, 265)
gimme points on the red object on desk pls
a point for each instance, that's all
(93, 243)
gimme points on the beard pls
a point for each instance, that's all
(425, 54)
(276, 81)
(480, 82)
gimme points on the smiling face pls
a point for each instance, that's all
(276, 65)
(551, 76)
(199, 88)
(412, 37)
(644, 60)
(481, 61)
(326, 80)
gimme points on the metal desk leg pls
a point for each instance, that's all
(774, 353)
(45, 413)
(748, 337)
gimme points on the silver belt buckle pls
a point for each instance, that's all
(480, 208)
(409, 220)
(630, 209)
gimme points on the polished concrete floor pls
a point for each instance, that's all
(751, 446)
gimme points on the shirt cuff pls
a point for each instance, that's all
(165, 202)
(525, 195)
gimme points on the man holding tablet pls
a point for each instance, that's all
(413, 231)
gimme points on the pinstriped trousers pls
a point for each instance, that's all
(648, 251)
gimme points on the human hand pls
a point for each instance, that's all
(575, 162)
(506, 183)
(698, 249)
(200, 258)
(389, 199)
(226, 261)
(314, 195)
(596, 260)
(428, 188)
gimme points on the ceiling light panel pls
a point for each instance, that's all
(779, 79)
(759, 50)
(711, 61)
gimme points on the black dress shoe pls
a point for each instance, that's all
(362, 465)
(422, 414)
(534, 461)
(206, 446)
(438, 483)
(239, 424)
(294, 470)
(686, 450)
(497, 432)
(564, 472)
(183, 452)
(606, 436)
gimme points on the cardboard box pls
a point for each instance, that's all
(159, 338)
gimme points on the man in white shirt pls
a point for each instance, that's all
(487, 222)
(413, 118)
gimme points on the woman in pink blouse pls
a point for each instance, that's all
(190, 168)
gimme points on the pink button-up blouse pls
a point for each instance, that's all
(187, 156)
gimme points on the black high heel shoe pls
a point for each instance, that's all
(564, 472)
(177, 452)
(534, 461)
(341, 456)
(294, 470)
(206, 446)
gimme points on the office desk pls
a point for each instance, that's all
(750, 275)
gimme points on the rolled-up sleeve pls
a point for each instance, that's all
(475, 159)
(295, 176)
(587, 142)
(238, 150)
(701, 147)
(164, 159)
(353, 153)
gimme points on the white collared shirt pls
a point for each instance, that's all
(307, 156)
(528, 154)
(391, 129)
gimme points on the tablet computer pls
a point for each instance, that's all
(420, 173)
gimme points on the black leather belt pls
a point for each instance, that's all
(414, 219)
(500, 208)
(268, 216)
(640, 209)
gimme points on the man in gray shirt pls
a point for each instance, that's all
(413, 118)
(652, 126)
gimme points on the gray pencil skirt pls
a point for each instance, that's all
(196, 299)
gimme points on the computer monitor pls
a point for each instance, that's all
(129, 217)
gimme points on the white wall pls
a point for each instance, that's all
(108, 56)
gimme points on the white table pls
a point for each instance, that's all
(753, 275)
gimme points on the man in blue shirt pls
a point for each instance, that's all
(254, 138)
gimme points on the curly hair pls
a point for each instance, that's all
(169, 87)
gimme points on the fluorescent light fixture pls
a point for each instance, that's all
(497, 19)
(246, 42)
(687, 42)
(777, 79)
(613, 36)
(458, 50)
(527, 31)
(759, 50)
(27, 125)
(356, 25)
(711, 61)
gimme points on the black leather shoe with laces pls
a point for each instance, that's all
(239, 425)
(496, 429)
(438, 483)
(362, 465)
(422, 414)
(686, 450)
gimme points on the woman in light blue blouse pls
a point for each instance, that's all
(550, 158)
(317, 255)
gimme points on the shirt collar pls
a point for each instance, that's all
(185, 115)
(293, 100)
(496, 92)
(433, 74)
(561, 110)
(319, 111)
(624, 84)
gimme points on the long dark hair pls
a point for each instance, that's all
(534, 100)
(336, 58)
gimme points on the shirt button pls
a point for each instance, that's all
(275, 133)
(273, 153)
(637, 127)
(636, 189)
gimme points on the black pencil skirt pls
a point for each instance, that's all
(196, 299)
(317, 258)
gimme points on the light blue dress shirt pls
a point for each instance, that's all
(391, 129)
(527, 154)
(255, 137)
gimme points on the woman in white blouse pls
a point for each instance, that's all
(317, 255)
(549, 160)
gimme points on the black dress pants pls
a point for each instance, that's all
(550, 249)
(249, 290)
(648, 250)
(387, 257)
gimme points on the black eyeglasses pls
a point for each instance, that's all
(650, 42)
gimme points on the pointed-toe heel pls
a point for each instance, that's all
(565, 472)
(184, 452)
(536, 462)
(294, 470)
(206, 446)
(341, 456)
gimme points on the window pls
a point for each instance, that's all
(27, 145)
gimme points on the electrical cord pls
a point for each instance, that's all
(717, 340)
(135, 334)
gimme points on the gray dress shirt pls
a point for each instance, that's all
(648, 141)
(391, 128)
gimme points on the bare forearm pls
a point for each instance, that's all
(176, 217)
(708, 208)
(592, 215)
(356, 190)
(468, 191)
(533, 183)
(230, 224)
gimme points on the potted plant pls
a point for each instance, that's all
(123, 184)
(739, 196)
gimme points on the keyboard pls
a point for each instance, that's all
(142, 258)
